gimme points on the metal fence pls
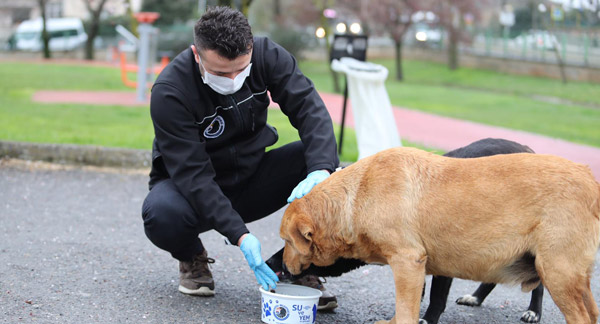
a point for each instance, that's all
(573, 48)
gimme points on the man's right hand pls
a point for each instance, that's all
(250, 246)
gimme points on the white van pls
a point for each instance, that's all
(66, 34)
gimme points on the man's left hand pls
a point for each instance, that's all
(250, 246)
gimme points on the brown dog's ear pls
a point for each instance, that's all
(302, 233)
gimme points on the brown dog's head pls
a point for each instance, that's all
(303, 239)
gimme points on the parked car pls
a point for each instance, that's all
(426, 35)
(66, 34)
(538, 39)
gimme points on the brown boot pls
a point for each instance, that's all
(328, 301)
(195, 277)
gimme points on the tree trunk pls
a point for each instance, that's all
(453, 49)
(399, 72)
(94, 27)
(92, 33)
(561, 63)
(276, 8)
(45, 36)
(454, 32)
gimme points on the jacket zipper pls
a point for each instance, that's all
(252, 116)
(238, 113)
(232, 149)
(241, 116)
(233, 153)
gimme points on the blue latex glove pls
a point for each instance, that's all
(307, 184)
(250, 246)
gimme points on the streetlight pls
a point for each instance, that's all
(340, 28)
(355, 28)
(320, 32)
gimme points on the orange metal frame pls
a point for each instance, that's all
(126, 68)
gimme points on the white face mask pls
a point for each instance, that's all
(225, 85)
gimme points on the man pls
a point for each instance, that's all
(209, 166)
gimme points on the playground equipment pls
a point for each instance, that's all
(146, 48)
(127, 68)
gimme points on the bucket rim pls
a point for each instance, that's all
(317, 292)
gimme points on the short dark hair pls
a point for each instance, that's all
(224, 30)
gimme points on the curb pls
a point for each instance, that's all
(77, 154)
(91, 155)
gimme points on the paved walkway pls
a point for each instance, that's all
(74, 251)
(427, 129)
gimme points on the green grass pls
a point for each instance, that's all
(438, 74)
(24, 120)
(75, 124)
(490, 98)
(28, 77)
(478, 95)
(288, 134)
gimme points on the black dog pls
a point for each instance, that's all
(440, 286)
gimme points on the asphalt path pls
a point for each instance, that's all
(73, 250)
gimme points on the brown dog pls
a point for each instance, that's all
(514, 219)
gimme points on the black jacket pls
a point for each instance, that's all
(208, 143)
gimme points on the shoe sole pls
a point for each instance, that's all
(329, 306)
(202, 291)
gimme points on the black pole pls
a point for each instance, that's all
(343, 115)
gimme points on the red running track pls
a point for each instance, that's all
(430, 130)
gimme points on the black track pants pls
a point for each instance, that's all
(172, 225)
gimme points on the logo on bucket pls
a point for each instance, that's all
(281, 312)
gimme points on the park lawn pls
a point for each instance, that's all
(431, 73)
(21, 119)
(114, 126)
(430, 87)
(29, 77)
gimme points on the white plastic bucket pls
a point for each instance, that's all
(289, 304)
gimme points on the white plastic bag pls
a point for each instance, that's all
(374, 121)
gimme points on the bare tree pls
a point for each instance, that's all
(45, 35)
(308, 13)
(95, 12)
(392, 17)
(451, 16)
